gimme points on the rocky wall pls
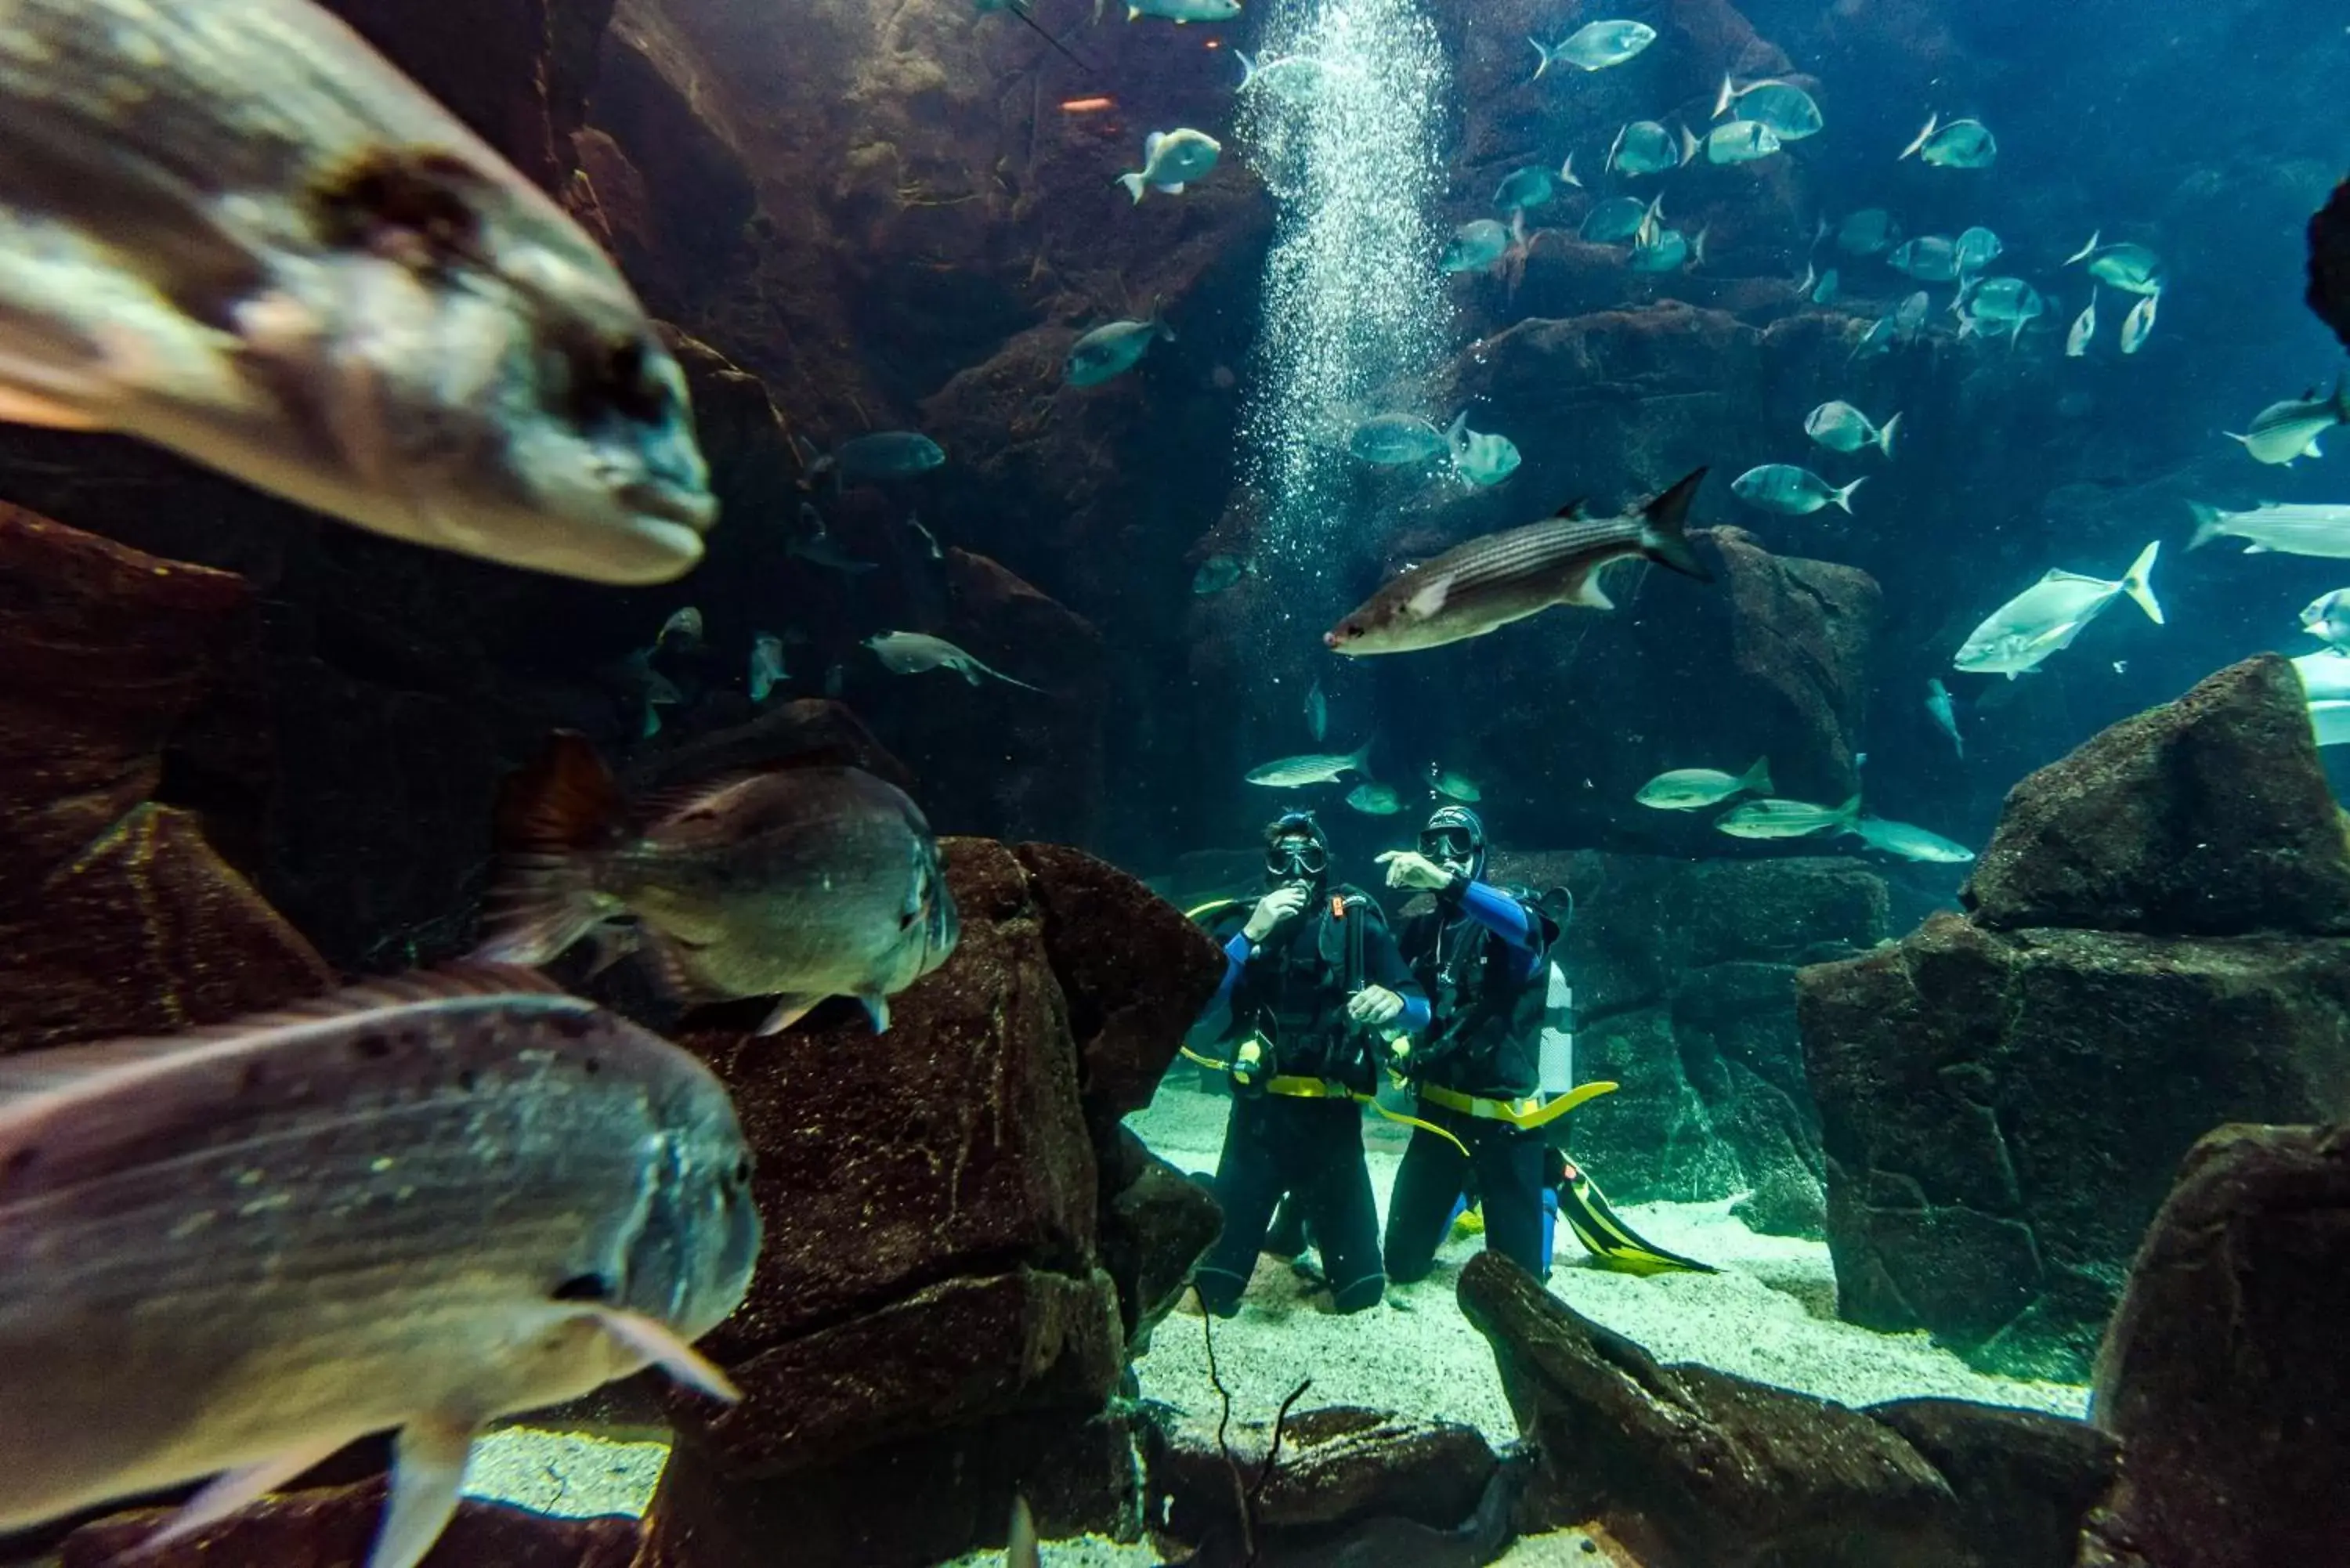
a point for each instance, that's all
(2003, 1098)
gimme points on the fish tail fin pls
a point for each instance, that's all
(1849, 812)
(1932, 120)
(1544, 50)
(1844, 497)
(2138, 583)
(1663, 524)
(1248, 70)
(1689, 144)
(1566, 175)
(1456, 434)
(2085, 252)
(1360, 757)
(1885, 436)
(1614, 149)
(428, 1471)
(1020, 1548)
(1697, 245)
(1757, 779)
(1517, 231)
(1133, 184)
(553, 814)
(1725, 98)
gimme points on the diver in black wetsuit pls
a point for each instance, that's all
(1479, 955)
(1308, 977)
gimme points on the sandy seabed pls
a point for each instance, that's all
(1769, 1315)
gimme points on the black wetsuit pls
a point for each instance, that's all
(1480, 957)
(1293, 992)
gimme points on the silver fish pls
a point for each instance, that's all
(799, 884)
(1870, 232)
(232, 229)
(1644, 146)
(1733, 142)
(1475, 244)
(1694, 789)
(2140, 323)
(2299, 529)
(766, 665)
(1489, 582)
(1839, 426)
(1786, 109)
(2046, 617)
(413, 1207)
(882, 454)
(683, 625)
(917, 653)
(2284, 432)
(1614, 220)
(2084, 327)
(1113, 349)
(1375, 799)
(2130, 267)
(1181, 11)
(1911, 842)
(1792, 491)
(1928, 258)
(1172, 160)
(1312, 768)
(1453, 785)
(1778, 818)
(1294, 78)
(1976, 249)
(1317, 713)
(1829, 289)
(1390, 440)
(1959, 144)
(2327, 619)
(1483, 458)
(1944, 712)
(1595, 46)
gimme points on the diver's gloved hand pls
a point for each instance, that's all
(1375, 1005)
(1411, 868)
(1271, 910)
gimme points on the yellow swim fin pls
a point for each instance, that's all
(1606, 1236)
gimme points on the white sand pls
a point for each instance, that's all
(1769, 1315)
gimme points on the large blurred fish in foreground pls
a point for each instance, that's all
(798, 884)
(416, 1206)
(232, 229)
(1472, 589)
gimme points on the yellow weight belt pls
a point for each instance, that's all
(1525, 1114)
(1298, 1089)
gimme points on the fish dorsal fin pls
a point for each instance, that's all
(567, 798)
(65, 1071)
(673, 801)
(1578, 509)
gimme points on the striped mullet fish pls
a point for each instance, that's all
(1489, 582)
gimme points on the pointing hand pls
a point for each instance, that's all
(1375, 1005)
(1271, 910)
(1409, 868)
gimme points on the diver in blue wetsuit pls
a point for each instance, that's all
(1479, 956)
(1309, 980)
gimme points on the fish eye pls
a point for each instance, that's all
(741, 1175)
(621, 377)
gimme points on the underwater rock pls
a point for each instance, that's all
(1338, 1465)
(515, 71)
(2024, 1480)
(331, 1528)
(2329, 263)
(2206, 816)
(1128, 963)
(2223, 1373)
(1694, 1468)
(2001, 1112)
(938, 1263)
(1684, 992)
(910, 1504)
(117, 918)
(1156, 1223)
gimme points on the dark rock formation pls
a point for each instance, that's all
(332, 1529)
(2002, 1109)
(1684, 993)
(1692, 1468)
(2223, 1374)
(116, 915)
(1156, 1223)
(939, 1276)
(2329, 263)
(2206, 816)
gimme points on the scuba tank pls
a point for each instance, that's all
(1558, 1033)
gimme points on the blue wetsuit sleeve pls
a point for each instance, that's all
(1416, 1013)
(1508, 920)
(1215, 1017)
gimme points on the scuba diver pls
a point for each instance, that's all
(1479, 956)
(1485, 1132)
(1308, 978)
